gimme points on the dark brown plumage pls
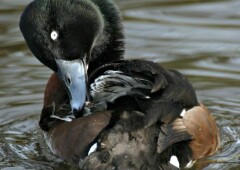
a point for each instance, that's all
(124, 140)
(133, 109)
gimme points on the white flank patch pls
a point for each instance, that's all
(174, 161)
(183, 112)
(92, 149)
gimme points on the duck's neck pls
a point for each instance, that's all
(110, 46)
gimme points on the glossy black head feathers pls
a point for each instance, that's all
(69, 30)
(72, 38)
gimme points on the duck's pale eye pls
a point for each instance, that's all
(54, 35)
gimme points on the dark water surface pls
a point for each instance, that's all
(199, 38)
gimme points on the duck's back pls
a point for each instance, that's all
(144, 86)
(146, 128)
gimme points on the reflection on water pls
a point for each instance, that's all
(199, 38)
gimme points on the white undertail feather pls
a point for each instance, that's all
(174, 161)
(183, 112)
(92, 149)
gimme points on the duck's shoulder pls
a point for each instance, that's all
(147, 86)
(146, 70)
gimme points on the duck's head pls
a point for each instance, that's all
(70, 36)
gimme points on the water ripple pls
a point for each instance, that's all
(201, 39)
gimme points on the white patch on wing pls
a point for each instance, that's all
(113, 72)
(92, 149)
(183, 112)
(174, 161)
(67, 118)
(114, 84)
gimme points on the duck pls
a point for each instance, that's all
(105, 112)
